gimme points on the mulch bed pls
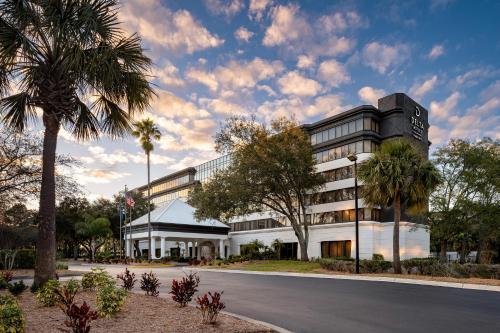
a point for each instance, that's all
(140, 314)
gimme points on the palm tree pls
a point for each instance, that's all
(397, 175)
(146, 131)
(69, 61)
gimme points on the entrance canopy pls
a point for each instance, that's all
(174, 221)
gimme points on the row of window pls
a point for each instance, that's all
(170, 196)
(353, 126)
(206, 170)
(167, 185)
(338, 216)
(319, 198)
(336, 249)
(339, 174)
(365, 146)
(255, 224)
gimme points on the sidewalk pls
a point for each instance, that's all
(360, 278)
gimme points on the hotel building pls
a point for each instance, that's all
(331, 211)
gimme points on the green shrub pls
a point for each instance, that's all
(110, 300)
(97, 279)
(46, 295)
(374, 266)
(73, 285)
(377, 256)
(25, 258)
(61, 265)
(11, 315)
(3, 283)
(17, 288)
(482, 271)
(337, 265)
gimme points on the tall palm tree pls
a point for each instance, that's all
(69, 61)
(396, 175)
(147, 131)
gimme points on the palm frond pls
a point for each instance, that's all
(86, 125)
(17, 110)
(113, 120)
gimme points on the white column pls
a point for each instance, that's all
(186, 249)
(153, 248)
(127, 248)
(198, 249)
(162, 247)
(221, 248)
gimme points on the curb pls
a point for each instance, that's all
(468, 286)
(258, 322)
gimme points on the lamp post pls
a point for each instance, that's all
(353, 158)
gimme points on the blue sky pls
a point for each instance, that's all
(304, 59)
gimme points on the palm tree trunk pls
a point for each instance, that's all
(149, 213)
(396, 262)
(442, 252)
(45, 267)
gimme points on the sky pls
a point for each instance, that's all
(303, 59)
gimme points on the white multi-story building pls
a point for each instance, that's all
(331, 211)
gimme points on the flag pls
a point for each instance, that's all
(130, 201)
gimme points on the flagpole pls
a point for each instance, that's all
(121, 239)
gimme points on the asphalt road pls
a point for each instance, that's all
(303, 304)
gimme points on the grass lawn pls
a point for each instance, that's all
(275, 266)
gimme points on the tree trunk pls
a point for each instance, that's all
(462, 252)
(92, 249)
(75, 251)
(442, 250)
(150, 255)
(396, 262)
(45, 267)
(137, 249)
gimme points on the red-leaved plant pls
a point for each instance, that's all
(128, 280)
(80, 317)
(150, 284)
(182, 292)
(7, 276)
(210, 305)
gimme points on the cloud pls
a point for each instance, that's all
(286, 25)
(438, 135)
(493, 90)
(325, 105)
(305, 61)
(237, 74)
(436, 52)
(243, 34)
(485, 108)
(267, 89)
(339, 22)
(222, 107)
(333, 73)
(96, 176)
(169, 75)
(371, 95)
(178, 31)
(472, 77)
(331, 46)
(293, 83)
(443, 109)
(380, 57)
(169, 105)
(419, 90)
(117, 157)
(257, 8)
(227, 8)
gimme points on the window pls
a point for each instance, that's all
(338, 131)
(336, 249)
(331, 133)
(352, 127)
(345, 129)
(325, 136)
(359, 124)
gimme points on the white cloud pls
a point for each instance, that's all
(333, 73)
(331, 46)
(96, 176)
(438, 135)
(493, 90)
(257, 8)
(243, 34)
(293, 83)
(169, 75)
(371, 95)
(118, 157)
(326, 105)
(485, 108)
(222, 107)
(267, 89)
(419, 90)
(227, 8)
(305, 61)
(381, 57)
(287, 25)
(436, 52)
(169, 105)
(443, 109)
(175, 31)
(237, 74)
(339, 22)
(472, 77)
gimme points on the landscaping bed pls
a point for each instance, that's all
(140, 314)
(294, 266)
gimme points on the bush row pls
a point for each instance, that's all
(417, 266)
(11, 315)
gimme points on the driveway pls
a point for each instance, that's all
(304, 304)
